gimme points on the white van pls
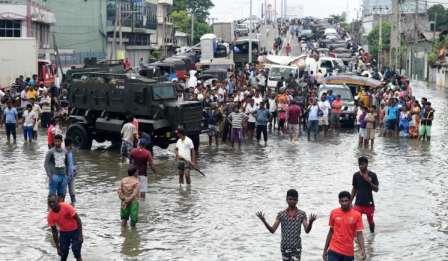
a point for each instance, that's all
(276, 72)
(334, 65)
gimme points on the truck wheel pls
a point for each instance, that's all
(79, 136)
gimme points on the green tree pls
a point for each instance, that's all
(373, 38)
(439, 14)
(182, 22)
(200, 8)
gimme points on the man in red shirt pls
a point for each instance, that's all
(141, 158)
(294, 114)
(63, 216)
(345, 223)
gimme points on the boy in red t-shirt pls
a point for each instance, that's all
(345, 223)
(63, 217)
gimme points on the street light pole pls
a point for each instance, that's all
(380, 44)
(250, 32)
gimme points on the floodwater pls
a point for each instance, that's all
(215, 218)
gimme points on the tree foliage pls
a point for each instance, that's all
(182, 22)
(439, 14)
(200, 8)
(373, 38)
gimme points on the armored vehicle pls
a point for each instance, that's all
(100, 102)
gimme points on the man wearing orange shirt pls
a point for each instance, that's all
(63, 217)
(345, 223)
(336, 109)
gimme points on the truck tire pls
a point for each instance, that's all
(80, 137)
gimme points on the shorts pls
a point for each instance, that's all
(291, 254)
(333, 256)
(126, 148)
(131, 211)
(370, 134)
(237, 135)
(182, 165)
(58, 185)
(67, 238)
(363, 133)
(293, 128)
(143, 181)
(425, 130)
(213, 130)
(367, 210)
(323, 121)
(391, 124)
(335, 118)
(251, 125)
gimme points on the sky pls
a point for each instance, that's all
(228, 10)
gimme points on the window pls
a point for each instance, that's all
(10, 28)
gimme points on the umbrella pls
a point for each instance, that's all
(353, 80)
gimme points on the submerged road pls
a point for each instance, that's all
(215, 218)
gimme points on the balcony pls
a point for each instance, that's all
(165, 2)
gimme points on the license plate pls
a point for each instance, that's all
(168, 135)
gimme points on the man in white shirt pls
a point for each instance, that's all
(250, 110)
(185, 156)
(128, 137)
(325, 107)
(29, 121)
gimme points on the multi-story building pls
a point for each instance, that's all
(165, 27)
(86, 28)
(137, 25)
(14, 18)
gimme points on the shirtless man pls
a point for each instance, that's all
(128, 192)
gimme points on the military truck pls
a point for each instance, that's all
(100, 102)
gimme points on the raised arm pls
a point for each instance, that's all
(308, 225)
(272, 228)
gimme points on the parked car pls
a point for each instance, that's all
(348, 114)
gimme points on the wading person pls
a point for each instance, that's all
(345, 223)
(62, 216)
(10, 118)
(313, 120)
(262, 117)
(294, 113)
(29, 121)
(291, 220)
(128, 137)
(141, 158)
(185, 156)
(71, 170)
(236, 118)
(56, 168)
(364, 182)
(426, 122)
(128, 192)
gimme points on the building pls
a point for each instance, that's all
(137, 25)
(14, 18)
(165, 28)
(86, 28)
(181, 39)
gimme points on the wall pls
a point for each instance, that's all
(80, 25)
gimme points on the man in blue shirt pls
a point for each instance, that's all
(262, 117)
(392, 118)
(10, 117)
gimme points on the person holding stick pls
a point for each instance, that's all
(185, 156)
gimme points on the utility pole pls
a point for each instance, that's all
(192, 28)
(29, 21)
(250, 32)
(435, 27)
(113, 54)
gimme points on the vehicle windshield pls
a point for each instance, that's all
(278, 72)
(163, 92)
(346, 94)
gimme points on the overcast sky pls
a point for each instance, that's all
(234, 9)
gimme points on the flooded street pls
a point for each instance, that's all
(215, 218)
